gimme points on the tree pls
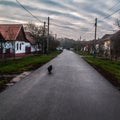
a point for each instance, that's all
(53, 43)
(38, 34)
(67, 43)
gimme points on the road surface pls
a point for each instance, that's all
(74, 91)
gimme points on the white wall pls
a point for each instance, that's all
(8, 45)
(20, 46)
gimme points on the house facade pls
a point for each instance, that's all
(16, 43)
(2, 41)
(115, 45)
(100, 47)
(30, 38)
(104, 45)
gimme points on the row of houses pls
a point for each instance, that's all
(14, 41)
(108, 46)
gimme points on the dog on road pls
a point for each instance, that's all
(50, 69)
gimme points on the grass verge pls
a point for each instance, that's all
(26, 63)
(18, 66)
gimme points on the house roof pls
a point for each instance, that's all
(1, 37)
(117, 34)
(11, 31)
(30, 37)
(106, 36)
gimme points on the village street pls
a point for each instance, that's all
(74, 91)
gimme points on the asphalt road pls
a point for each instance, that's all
(74, 91)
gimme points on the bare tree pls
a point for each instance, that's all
(38, 34)
(53, 43)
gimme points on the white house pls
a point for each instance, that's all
(16, 43)
(30, 38)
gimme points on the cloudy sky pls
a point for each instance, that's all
(68, 18)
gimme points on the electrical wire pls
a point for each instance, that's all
(107, 15)
(111, 14)
(29, 12)
(66, 27)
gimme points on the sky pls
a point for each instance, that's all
(73, 19)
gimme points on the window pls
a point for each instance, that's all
(20, 46)
(17, 46)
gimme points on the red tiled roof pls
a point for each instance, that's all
(1, 37)
(10, 31)
(30, 37)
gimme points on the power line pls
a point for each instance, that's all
(114, 5)
(35, 16)
(62, 25)
(105, 17)
(91, 29)
(111, 13)
(29, 12)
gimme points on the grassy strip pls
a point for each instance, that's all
(110, 69)
(23, 64)
(26, 63)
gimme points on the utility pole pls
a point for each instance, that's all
(48, 36)
(95, 37)
(44, 38)
(95, 27)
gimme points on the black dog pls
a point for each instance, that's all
(49, 69)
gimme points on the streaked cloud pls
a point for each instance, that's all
(68, 18)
